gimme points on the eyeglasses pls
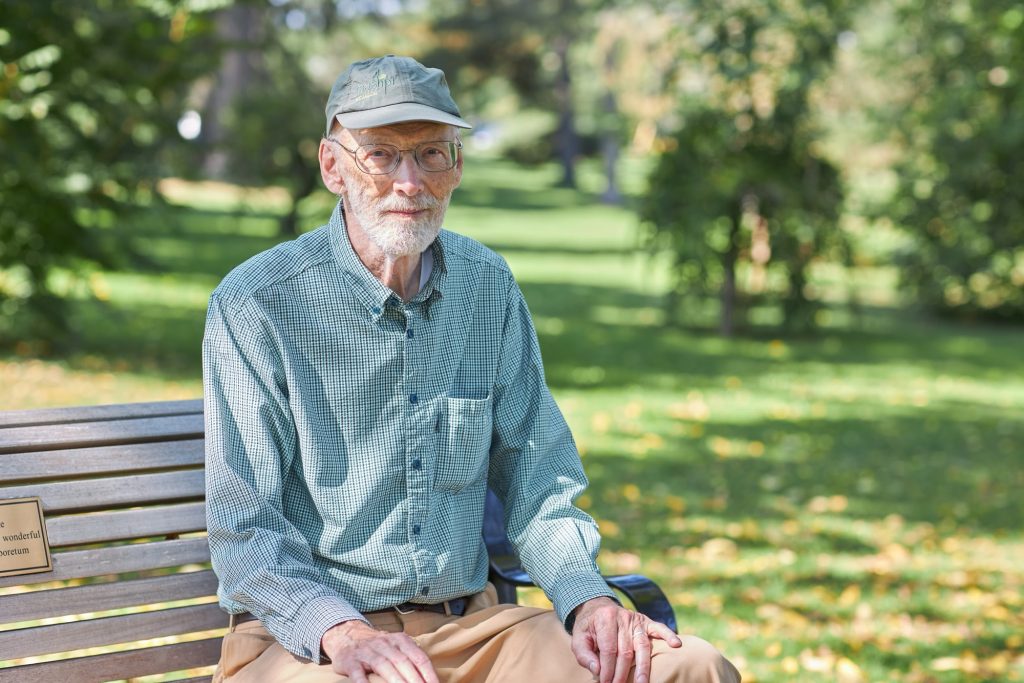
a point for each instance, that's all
(381, 159)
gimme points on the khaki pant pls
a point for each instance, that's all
(492, 643)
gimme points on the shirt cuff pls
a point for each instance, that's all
(575, 589)
(316, 618)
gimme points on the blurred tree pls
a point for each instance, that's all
(528, 44)
(90, 95)
(270, 128)
(744, 181)
(242, 32)
(961, 123)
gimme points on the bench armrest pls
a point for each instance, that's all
(507, 573)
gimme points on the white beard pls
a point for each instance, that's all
(396, 236)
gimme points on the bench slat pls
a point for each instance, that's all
(98, 597)
(92, 494)
(24, 418)
(121, 665)
(127, 628)
(77, 564)
(102, 460)
(124, 524)
(81, 434)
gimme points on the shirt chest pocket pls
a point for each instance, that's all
(464, 442)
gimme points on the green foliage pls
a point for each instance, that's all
(273, 128)
(89, 98)
(743, 184)
(962, 122)
(528, 46)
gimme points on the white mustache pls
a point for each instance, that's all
(417, 203)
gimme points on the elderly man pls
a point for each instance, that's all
(364, 385)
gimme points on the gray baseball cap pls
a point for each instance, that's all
(389, 89)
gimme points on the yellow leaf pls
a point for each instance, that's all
(850, 595)
(998, 613)
(720, 446)
(773, 650)
(99, 287)
(675, 504)
(631, 492)
(790, 665)
(848, 672)
(722, 548)
(946, 664)
(633, 409)
(601, 422)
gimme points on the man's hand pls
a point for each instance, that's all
(356, 650)
(608, 640)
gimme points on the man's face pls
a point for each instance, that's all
(400, 212)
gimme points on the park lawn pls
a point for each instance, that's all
(840, 506)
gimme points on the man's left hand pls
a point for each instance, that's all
(608, 640)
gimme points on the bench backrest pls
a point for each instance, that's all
(122, 492)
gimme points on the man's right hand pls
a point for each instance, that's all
(357, 649)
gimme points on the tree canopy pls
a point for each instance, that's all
(90, 96)
(743, 184)
(961, 124)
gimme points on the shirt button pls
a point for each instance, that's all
(413, 398)
(416, 529)
(376, 310)
(426, 590)
(416, 464)
(409, 334)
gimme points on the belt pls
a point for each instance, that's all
(455, 607)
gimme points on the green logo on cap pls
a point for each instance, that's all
(372, 88)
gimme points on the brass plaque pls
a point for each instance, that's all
(23, 545)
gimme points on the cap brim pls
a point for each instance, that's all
(398, 113)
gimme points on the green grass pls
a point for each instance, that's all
(841, 506)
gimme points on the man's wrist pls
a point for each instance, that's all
(570, 621)
(338, 634)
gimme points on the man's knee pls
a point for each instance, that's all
(697, 661)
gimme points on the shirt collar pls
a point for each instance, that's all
(373, 293)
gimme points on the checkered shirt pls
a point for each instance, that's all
(351, 438)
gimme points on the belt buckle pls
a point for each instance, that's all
(398, 608)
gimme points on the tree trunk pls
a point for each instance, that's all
(567, 140)
(240, 27)
(610, 132)
(610, 151)
(288, 226)
(727, 325)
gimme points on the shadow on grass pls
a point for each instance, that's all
(633, 351)
(951, 465)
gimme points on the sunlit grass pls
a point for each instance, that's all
(842, 506)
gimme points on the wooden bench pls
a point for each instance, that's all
(131, 593)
